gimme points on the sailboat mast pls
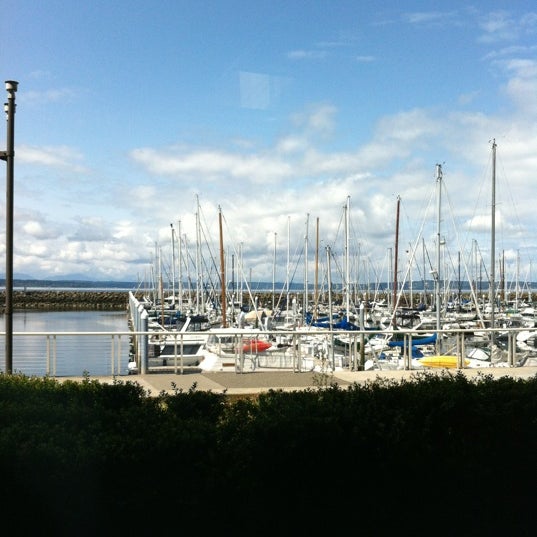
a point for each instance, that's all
(288, 269)
(493, 240)
(160, 286)
(438, 242)
(394, 291)
(274, 270)
(423, 250)
(315, 283)
(199, 272)
(306, 283)
(517, 295)
(459, 280)
(242, 274)
(330, 316)
(222, 270)
(347, 263)
(180, 264)
(173, 265)
(329, 278)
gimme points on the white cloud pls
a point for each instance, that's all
(53, 95)
(502, 25)
(307, 54)
(212, 165)
(35, 229)
(421, 17)
(317, 119)
(54, 156)
(291, 144)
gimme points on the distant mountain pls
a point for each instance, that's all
(70, 277)
(63, 277)
(18, 276)
(64, 280)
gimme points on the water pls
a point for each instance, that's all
(67, 355)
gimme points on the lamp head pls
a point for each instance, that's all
(11, 85)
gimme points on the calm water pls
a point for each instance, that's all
(62, 355)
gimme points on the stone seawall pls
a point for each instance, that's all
(67, 300)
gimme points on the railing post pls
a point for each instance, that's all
(47, 369)
(54, 357)
(144, 343)
(182, 357)
(511, 349)
(459, 342)
(112, 361)
(297, 352)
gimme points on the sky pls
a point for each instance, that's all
(311, 140)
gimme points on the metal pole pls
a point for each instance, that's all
(9, 156)
(438, 263)
(492, 287)
(223, 271)
(395, 284)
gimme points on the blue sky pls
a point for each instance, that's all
(133, 116)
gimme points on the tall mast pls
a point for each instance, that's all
(241, 273)
(315, 283)
(492, 292)
(288, 269)
(173, 266)
(438, 239)
(274, 270)
(517, 295)
(306, 284)
(423, 250)
(223, 270)
(459, 279)
(200, 302)
(180, 264)
(347, 255)
(394, 290)
(160, 285)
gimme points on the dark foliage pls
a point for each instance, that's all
(441, 455)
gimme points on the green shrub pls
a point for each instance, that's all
(89, 456)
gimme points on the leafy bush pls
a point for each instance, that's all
(435, 453)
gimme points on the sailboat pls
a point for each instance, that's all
(440, 361)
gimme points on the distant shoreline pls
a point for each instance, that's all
(377, 289)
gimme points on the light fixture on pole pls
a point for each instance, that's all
(9, 157)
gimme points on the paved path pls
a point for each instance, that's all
(262, 381)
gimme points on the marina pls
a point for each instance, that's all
(107, 343)
(71, 345)
(264, 346)
(343, 325)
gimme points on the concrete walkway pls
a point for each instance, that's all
(263, 381)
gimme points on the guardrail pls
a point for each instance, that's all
(69, 353)
(61, 354)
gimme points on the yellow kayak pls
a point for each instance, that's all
(447, 362)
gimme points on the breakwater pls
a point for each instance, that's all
(59, 300)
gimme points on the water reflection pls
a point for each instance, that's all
(67, 355)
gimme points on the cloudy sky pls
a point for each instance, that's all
(300, 124)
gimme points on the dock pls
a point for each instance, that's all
(263, 381)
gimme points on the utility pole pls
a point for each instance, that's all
(9, 157)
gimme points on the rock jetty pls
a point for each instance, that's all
(58, 300)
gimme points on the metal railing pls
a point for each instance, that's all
(63, 354)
